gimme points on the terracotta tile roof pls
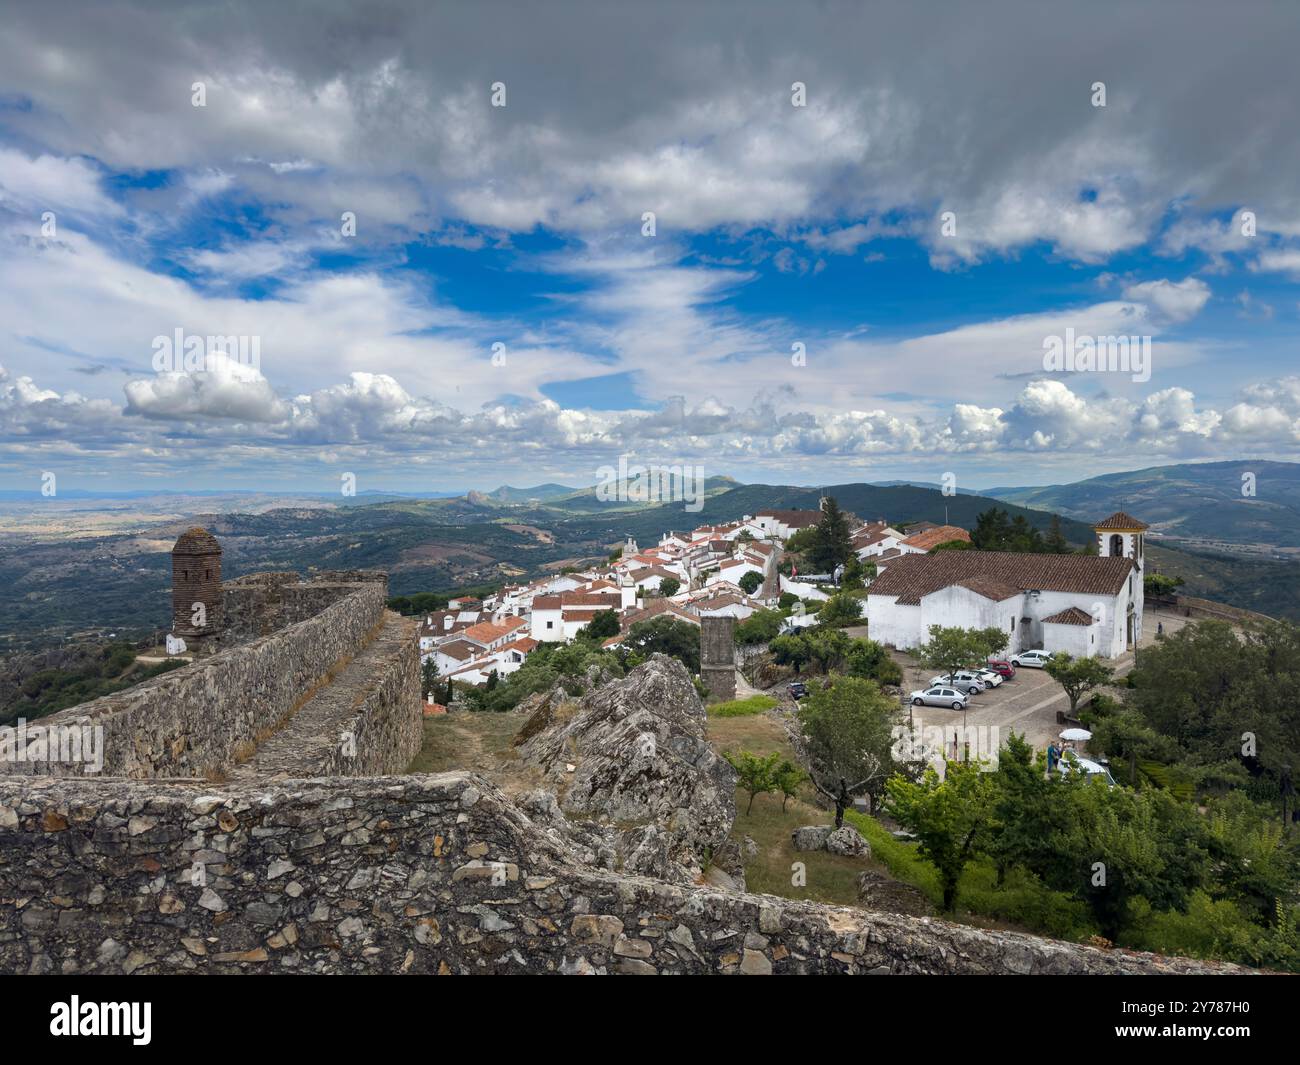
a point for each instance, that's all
(1071, 615)
(940, 534)
(460, 650)
(656, 571)
(593, 600)
(867, 537)
(913, 576)
(990, 588)
(653, 610)
(546, 602)
(525, 643)
(1120, 520)
(486, 632)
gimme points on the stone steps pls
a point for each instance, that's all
(305, 744)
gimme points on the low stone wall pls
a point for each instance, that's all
(1191, 607)
(258, 604)
(422, 874)
(367, 722)
(201, 719)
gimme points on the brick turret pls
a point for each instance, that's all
(196, 590)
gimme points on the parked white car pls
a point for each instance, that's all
(1037, 658)
(990, 679)
(1071, 761)
(941, 695)
(969, 682)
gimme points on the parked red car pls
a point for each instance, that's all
(1002, 667)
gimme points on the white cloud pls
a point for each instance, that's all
(50, 182)
(1176, 301)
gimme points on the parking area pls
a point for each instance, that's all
(1027, 703)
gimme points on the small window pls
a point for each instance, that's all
(550, 624)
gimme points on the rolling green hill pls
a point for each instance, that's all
(1198, 502)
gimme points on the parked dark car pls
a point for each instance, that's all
(1002, 667)
(798, 689)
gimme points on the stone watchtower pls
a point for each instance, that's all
(196, 590)
(718, 655)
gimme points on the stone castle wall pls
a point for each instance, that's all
(419, 874)
(203, 719)
(261, 603)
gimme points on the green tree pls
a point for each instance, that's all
(791, 650)
(755, 775)
(428, 678)
(950, 817)
(831, 542)
(1221, 693)
(762, 626)
(787, 780)
(1112, 846)
(848, 738)
(866, 658)
(827, 648)
(995, 530)
(1022, 816)
(602, 626)
(751, 582)
(1056, 543)
(1078, 676)
(666, 635)
(1160, 586)
(951, 649)
(840, 610)
(669, 586)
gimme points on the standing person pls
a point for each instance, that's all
(1052, 756)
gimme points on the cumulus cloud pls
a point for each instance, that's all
(225, 388)
(1176, 301)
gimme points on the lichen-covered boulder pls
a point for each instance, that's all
(810, 837)
(641, 762)
(847, 841)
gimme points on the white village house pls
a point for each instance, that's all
(1081, 604)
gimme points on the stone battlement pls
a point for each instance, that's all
(420, 874)
(206, 719)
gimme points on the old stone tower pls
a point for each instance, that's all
(196, 590)
(718, 655)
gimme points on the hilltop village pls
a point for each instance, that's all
(910, 579)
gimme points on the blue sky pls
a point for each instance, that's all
(127, 213)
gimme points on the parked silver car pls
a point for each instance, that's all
(941, 695)
(970, 683)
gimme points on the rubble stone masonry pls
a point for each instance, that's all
(417, 874)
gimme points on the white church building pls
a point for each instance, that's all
(1081, 604)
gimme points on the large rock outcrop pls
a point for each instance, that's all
(633, 757)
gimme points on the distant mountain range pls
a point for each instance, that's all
(483, 539)
(1212, 504)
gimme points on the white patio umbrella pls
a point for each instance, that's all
(1079, 735)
